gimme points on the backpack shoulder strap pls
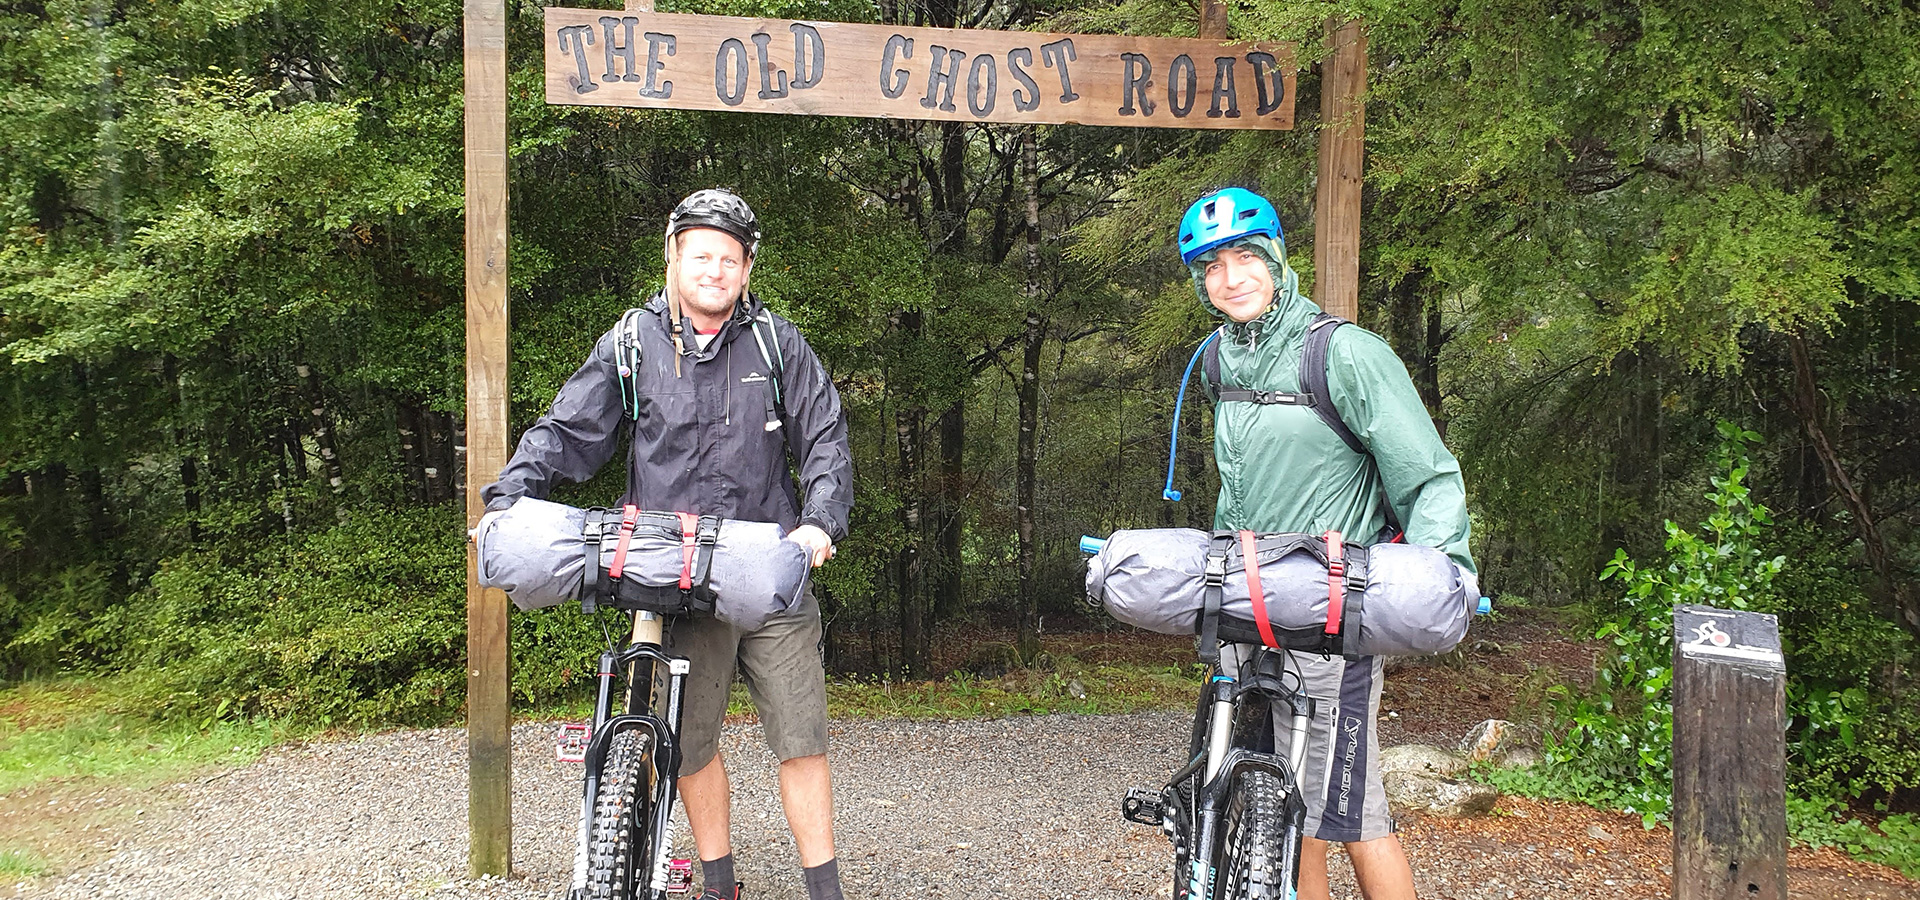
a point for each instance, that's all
(1313, 378)
(1210, 369)
(769, 342)
(627, 356)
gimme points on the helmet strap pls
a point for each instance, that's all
(673, 306)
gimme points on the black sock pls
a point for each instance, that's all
(716, 876)
(823, 880)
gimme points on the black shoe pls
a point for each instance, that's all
(711, 894)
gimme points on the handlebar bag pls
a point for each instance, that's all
(1397, 599)
(543, 553)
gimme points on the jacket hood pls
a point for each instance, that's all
(1288, 302)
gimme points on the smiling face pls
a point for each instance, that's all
(710, 269)
(1239, 284)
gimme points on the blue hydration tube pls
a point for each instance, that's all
(1168, 493)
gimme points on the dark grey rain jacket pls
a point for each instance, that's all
(700, 444)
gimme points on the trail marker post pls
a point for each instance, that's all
(1729, 756)
(635, 57)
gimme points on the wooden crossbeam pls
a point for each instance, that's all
(729, 64)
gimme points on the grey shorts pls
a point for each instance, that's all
(782, 667)
(1341, 781)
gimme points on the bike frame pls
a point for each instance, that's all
(1240, 710)
(637, 713)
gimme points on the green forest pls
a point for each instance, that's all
(1653, 266)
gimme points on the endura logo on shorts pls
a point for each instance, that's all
(754, 378)
(1351, 727)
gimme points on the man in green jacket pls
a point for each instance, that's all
(1283, 469)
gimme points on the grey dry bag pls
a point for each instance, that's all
(1329, 597)
(544, 553)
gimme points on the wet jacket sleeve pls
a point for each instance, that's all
(819, 437)
(573, 440)
(1422, 478)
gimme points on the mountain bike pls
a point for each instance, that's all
(631, 756)
(1235, 812)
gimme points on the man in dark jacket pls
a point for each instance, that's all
(720, 388)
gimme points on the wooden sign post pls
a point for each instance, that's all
(1729, 756)
(489, 735)
(638, 58)
(1336, 206)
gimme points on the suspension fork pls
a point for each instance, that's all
(1226, 762)
(644, 646)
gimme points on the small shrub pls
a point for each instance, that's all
(1615, 743)
(361, 624)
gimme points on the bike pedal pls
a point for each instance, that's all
(679, 877)
(570, 742)
(1142, 805)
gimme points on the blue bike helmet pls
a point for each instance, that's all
(1225, 216)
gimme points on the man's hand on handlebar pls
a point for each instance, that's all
(819, 546)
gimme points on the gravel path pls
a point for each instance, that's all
(978, 809)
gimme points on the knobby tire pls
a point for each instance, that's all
(1255, 826)
(621, 819)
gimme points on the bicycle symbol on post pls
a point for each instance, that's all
(1710, 633)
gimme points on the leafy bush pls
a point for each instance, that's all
(1853, 729)
(360, 624)
(1896, 842)
(363, 624)
(1855, 719)
(1617, 744)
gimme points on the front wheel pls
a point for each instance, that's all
(618, 840)
(1256, 841)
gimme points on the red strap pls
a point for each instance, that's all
(627, 518)
(1250, 556)
(1336, 581)
(689, 524)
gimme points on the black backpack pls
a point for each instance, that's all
(1314, 393)
(1313, 381)
(627, 354)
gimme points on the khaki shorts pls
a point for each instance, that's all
(781, 664)
(1340, 781)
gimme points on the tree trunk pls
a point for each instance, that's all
(413, 464)
(1806, 405)
(950, 524)
(322, 431)
(459, 451)
(439, 456)
(99, 523)
(286, 446)
(188, 466)
(1032, 341)
(1415, 329)
(1427, 380)
(296, 447)
(909, 567)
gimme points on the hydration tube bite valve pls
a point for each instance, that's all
(1180, 399)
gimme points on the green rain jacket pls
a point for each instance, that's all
(1284, 470)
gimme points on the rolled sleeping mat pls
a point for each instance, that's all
(1407, 600)
(538, 552)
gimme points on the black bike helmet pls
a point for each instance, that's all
(715, 208)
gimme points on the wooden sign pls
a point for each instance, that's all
(674, 61)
